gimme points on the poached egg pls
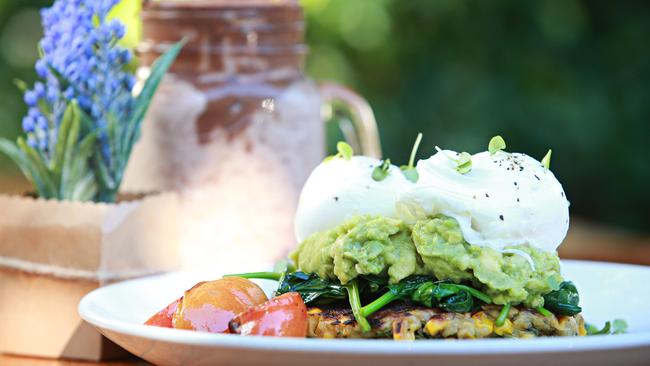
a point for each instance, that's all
(339, 189)
(505, 199)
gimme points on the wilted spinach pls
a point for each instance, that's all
(419, 289)
(423, 290)
(448, 296)
(564, 300)
(311, 287)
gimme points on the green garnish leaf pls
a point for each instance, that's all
(592, 330)
(381, 171)
(410, 173)
(464, 162)
(617, 326)
(546, 161)
(497, 143)
(345, 150)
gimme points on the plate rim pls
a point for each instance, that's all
(362, 346)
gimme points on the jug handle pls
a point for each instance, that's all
(360, 129)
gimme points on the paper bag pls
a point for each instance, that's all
(54, 252)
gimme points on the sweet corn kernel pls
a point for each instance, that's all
(505, 329)
(435, 326)
(483, 323)
(402, 331)
(582, 331)
(313, 311)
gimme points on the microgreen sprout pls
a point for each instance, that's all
(409, 170)
(497, 143)
(381, 171)
(344, 150)
(618, 326)
(463, 161)
(546, 160)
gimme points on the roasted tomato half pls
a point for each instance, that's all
(164, 318)
(282, 316)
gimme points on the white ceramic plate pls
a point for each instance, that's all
(607, 291)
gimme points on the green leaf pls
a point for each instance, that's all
(497, 143)
(63, 81)
(105, 179)
(41, 174)
(619, 326)
(311, 287)
(410, 173)
(84, 189)
(68, 144)
(381, 171)
(592, 330)
(80, 170)
(464, 162)
(143, 100)
(563, 301)
(21, 85)
(476, 293)
(70, 117)
(546, 160)
(345, 150)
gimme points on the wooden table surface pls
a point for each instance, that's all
(584, 241)
(10, 360)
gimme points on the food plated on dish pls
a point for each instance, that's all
(455, 246)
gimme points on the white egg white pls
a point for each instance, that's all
(506, 199)
(339, 189)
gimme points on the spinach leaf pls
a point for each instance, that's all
(448, 296)
(408, 285)
(564, 300)
(424, 290)
(311, 287)
(461, 302)
(372, 283)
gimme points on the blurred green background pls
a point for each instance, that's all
(569, 75)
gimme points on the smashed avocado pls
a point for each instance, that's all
(374, 245)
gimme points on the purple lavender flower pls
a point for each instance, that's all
(80, 61)
(82, 116)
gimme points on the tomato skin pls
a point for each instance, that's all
(282, 316)
(164, 318)
(209, 306)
